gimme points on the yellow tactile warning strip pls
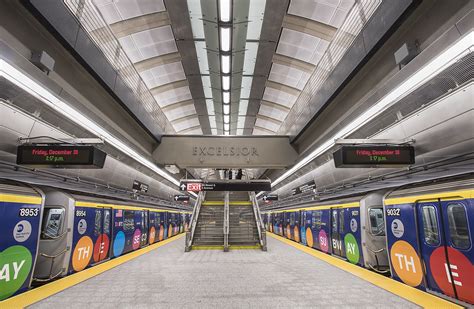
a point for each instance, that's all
(409, 293)
(42, 292)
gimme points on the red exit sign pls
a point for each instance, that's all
(191, 186)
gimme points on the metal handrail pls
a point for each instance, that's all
(258, 218)
(54, 237)
(52, 257)
(193, 223)
(226, 221)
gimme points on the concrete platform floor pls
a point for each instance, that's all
(169, 278)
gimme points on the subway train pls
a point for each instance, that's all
(46, 233)
(421, 235)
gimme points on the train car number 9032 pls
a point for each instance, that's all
(29, 212)
(393, 212)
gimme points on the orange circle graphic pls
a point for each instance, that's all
(152, 235)
(170, 231)
(288, 231)
(82, 253)
(309, 237)
(162, 233)
(406, 263)
(297, 233)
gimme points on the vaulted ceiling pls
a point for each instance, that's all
(170, 53)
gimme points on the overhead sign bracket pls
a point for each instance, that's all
(361, 141)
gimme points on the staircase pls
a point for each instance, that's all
(242, 226)
(209, 228)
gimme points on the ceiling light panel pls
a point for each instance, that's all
(214, 131)
(173, 96)
(258, 131)
(246, 87)
(225, 64)
(196, 131)
(302, 46)
(195, 16)
(201, 52)
(250, 57)
(226, 82)
(243, 107)
(226, 97)
(180, 111)
(225, 38)
(149, 43)
(115, 11)
(225, 10)
(212, 120)
(279, 97)
(207, 86)
(226, 109)
(163, 74)
(288, 76)
(255, 16)
(210, 107)
(328, 12)
(226, 126)
(239, 132)
(241, 122)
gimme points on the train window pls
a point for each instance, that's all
(430, 225)
(98, 222)
(317, 219)
(458, 228)
(377, 223)
(128, 220)
(52, 222)
(334, 221)
(341, 222)
(106, 221)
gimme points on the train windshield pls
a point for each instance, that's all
(52, 221)
(377, 223)
(458, 227)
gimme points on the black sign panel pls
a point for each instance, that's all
(306, 187)
(267, 198)
(181, 198)
(196, 186)
(60, 156)
(374, 156)
(138, 186)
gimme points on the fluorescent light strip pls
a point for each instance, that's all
(442, 61)
(226, 97)
(226, 118)
(224, 10)
(226, 133)
(226, 109)
(226, 127)
(226, 82)
(38, 91)
(225, 64)
(225, 38)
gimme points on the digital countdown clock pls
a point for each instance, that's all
(60, 156)
(374, 156)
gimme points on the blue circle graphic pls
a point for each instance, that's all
(119, 243)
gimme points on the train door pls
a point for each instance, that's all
(446, 247)
(145, 228)
(337, 231)
(103, 229)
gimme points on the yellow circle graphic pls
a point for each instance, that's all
(406, 263)
(297, 234)
(82, 253)
(309, 237)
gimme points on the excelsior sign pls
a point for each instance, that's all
(225, 152)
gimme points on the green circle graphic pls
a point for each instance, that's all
(15, 266)
(352, 248)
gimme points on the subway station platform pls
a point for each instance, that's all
(169, 278)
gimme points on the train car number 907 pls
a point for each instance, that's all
(393, 212)
(29, 212)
